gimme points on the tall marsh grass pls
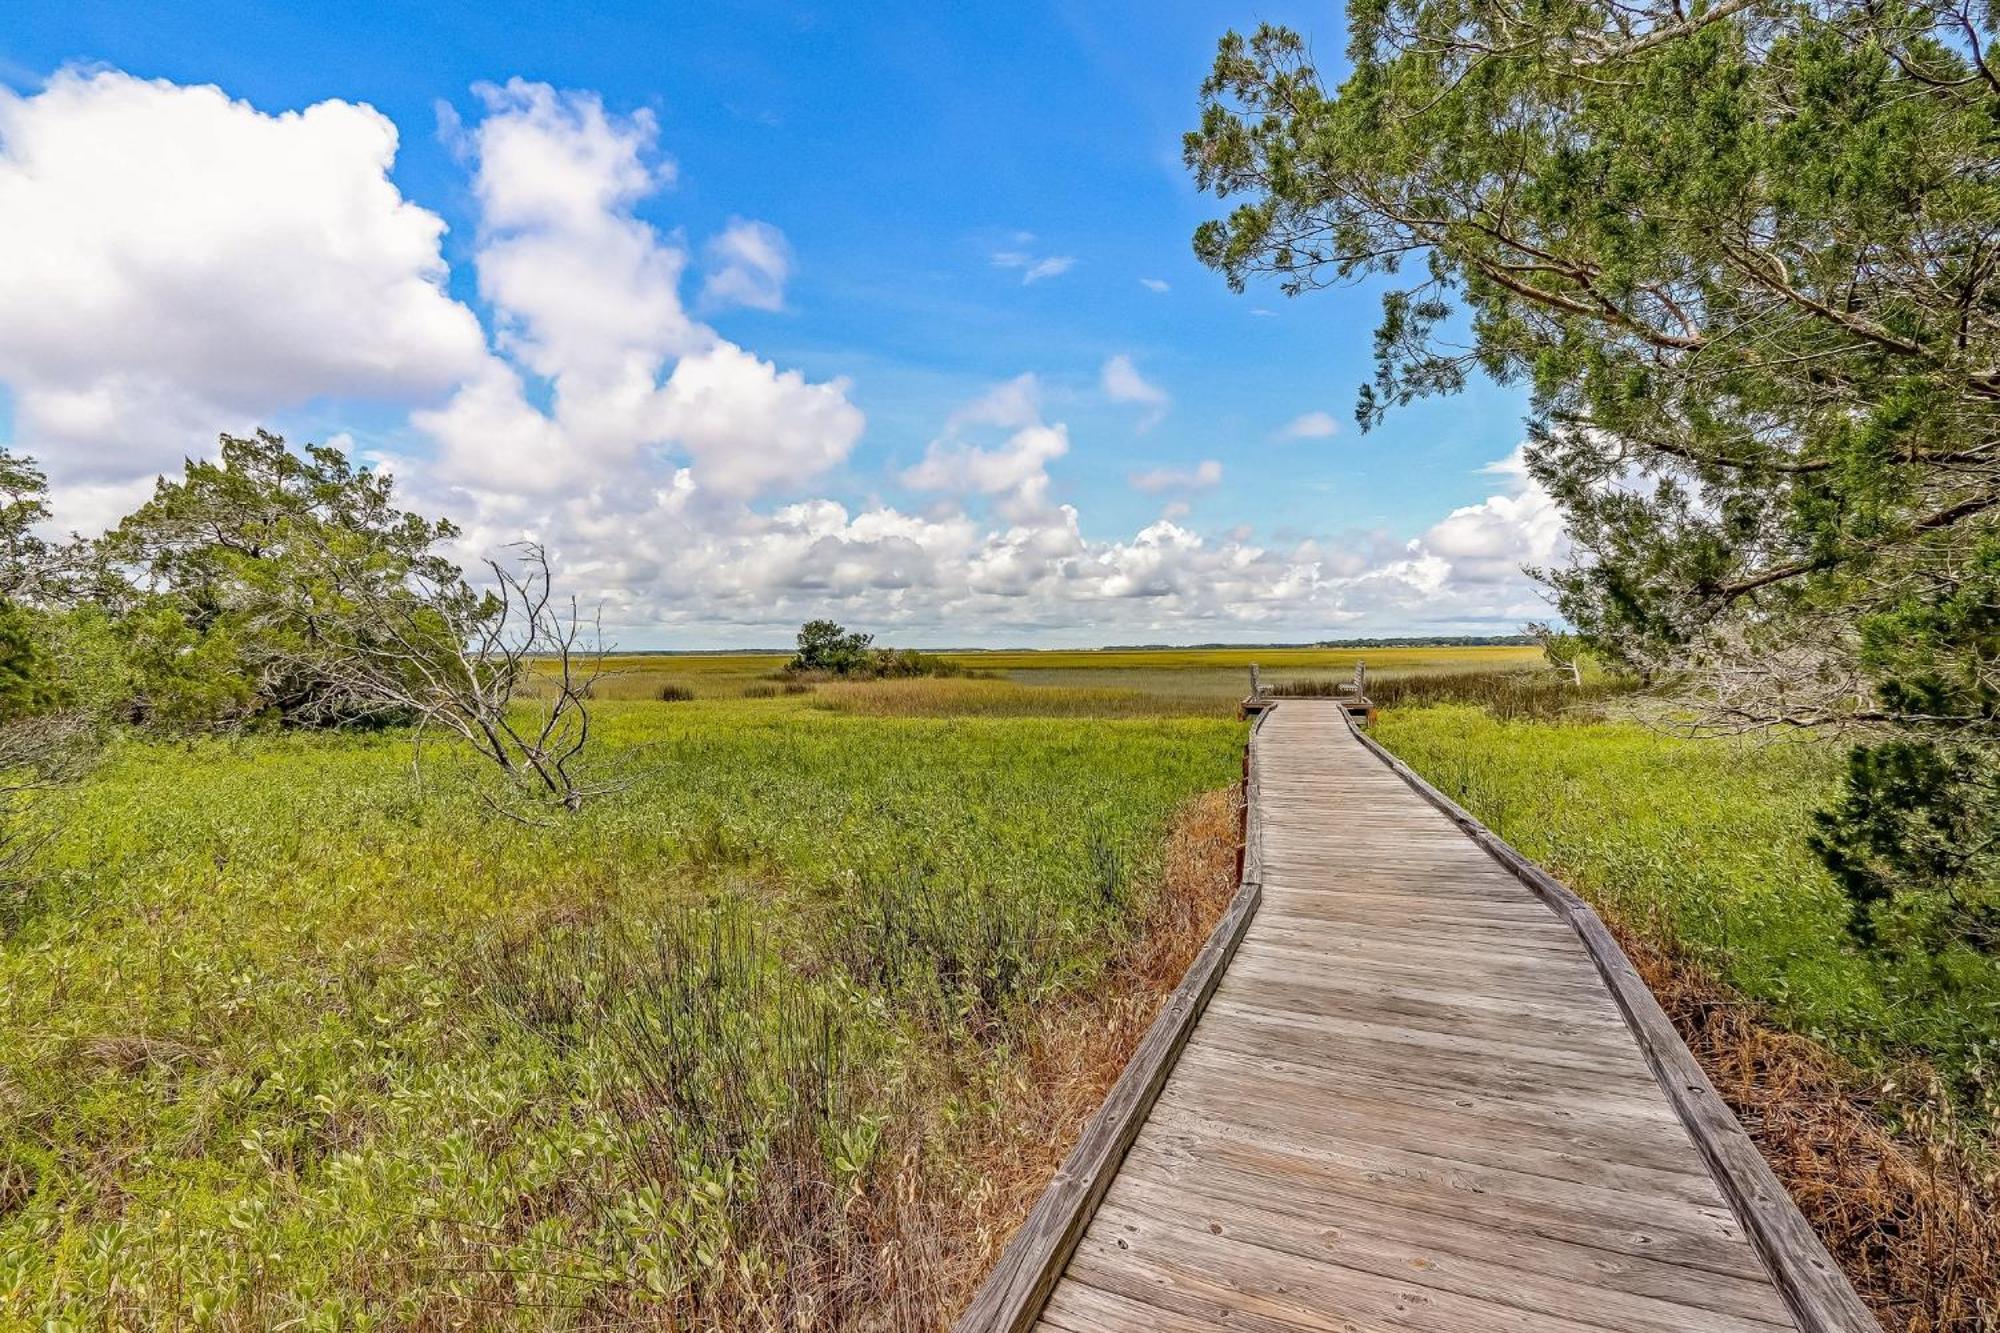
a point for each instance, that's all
(290, 1039)
(1538, 694)
(961, 697)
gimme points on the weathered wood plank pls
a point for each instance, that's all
(1337, 1215)
(1416, 1100)
(1812, 1284)
(1381, 1242)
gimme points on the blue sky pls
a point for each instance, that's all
(918, 163)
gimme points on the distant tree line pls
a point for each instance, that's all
(1394, 641)
(1745, 256)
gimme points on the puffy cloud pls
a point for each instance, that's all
(586, 296)
(674, 562)
(751, 427)
(748, 264)
(1203, 475)
(1491, 541)
(1019, 466)
(1013, 472)
(1311, 426)
(559, 160)
(173, 260)
(1122, 383)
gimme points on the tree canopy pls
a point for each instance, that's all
(826, 645)
(251, 576)
(1743, 256)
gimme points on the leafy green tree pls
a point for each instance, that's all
(52, 673)
(827, 646)
(24, 555)
(28, 676)
(51, 656)
(255, 579)
(1746, 259)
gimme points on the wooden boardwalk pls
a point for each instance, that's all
(1412, 1102)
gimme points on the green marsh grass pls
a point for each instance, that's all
(1701, 844)
(293, 1036)
(1218, 675)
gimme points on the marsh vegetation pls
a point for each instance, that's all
(777, 1033)
(792, 1025)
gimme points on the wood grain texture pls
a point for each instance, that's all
(1423, 1091)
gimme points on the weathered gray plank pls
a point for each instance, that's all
(1417, 1100)
(1813, 1285)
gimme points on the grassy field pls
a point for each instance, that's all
(290, 1039)
(790, 1028)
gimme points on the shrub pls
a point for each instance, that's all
(675, 694)
(827, 651)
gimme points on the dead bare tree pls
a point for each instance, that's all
(508, 671)
(525, 636)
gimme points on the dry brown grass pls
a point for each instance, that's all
(1904, 1199)
(965, 1187)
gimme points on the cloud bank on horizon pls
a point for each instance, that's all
(175, 263)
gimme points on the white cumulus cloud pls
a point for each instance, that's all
(586, 296)
(749, 426)
(1491, 541)
(173, 261)
(1014, 472)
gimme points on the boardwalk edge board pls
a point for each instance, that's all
(1012, 1297)
(1811, 1283)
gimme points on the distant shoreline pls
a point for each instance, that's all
(1434, 641)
